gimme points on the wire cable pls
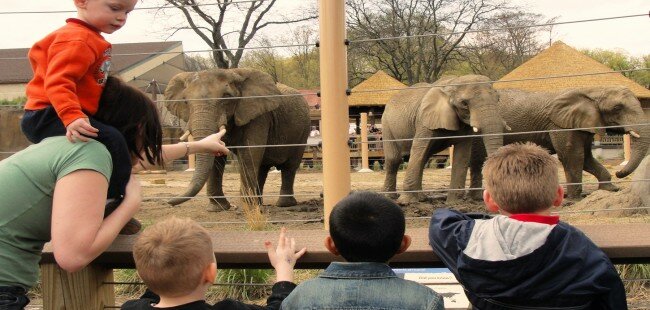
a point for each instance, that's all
(135, 9)
(499, 29)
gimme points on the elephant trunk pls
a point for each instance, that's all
(491, 123)
(204, 124)
(639, 150)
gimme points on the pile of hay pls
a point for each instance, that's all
(634, 196)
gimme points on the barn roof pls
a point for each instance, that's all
(561, 59)
(379, 80)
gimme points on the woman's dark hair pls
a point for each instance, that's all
(134, 115)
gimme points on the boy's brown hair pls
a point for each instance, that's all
(171, 255)
(521, 178)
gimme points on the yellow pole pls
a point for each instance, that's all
(364, 143)
(451, 156)
(191, 159)
(334, 107)
(627, 149)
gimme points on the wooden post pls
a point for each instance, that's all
(84, 289)
(451, 156)
(191, 159)
(627, 149)
(334, 106)
(364, 143)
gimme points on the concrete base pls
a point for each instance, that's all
(365, 170)
(190, 170)
(274, 171)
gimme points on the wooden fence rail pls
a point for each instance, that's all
(86, 289)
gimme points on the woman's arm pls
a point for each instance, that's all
(79, 231)
(210, 144)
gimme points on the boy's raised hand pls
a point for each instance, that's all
(284, 256)
(80, 128)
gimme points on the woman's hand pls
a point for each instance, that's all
(284, 256)
(212, 144)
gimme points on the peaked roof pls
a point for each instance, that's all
(561, 59)
(379, 80)
(18, 70)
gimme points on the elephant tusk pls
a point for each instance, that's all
(475, 129)
(505, 125)
(634, 134)
(185, 135)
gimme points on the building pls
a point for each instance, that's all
(372, 95)
(561, 59)
(136, 63)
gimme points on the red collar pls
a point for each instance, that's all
(83, 23)
(536, 218)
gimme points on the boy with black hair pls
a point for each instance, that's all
(367, 229)
(524, 258)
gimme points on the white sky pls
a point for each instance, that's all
(631, 35)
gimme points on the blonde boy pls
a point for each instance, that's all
(176, 261)
(524, 257)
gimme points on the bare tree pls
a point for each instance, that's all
(266, 60)
(198, 62)
(306, 55)
(421, 56)
(507, 41)
(208, 19)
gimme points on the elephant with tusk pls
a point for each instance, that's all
(576, 108)
(235, 100)
(432, 114)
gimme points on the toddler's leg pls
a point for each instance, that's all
(116, 145)
(40, 124)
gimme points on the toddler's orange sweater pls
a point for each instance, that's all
(70, 69)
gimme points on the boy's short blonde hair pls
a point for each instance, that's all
(521, 178)
(171, 255)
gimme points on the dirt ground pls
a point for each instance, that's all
(158, 188)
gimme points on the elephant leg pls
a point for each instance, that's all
(286, 189)
(420, 151)
(391, 164)
(249, 167)
(570, 152)
(214, 185)
(594, 167)
(261, 177)
(476, 169)
(462, 151)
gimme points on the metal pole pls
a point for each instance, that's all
(334, 108)
(364, 143)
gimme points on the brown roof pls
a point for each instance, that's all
(561, 59)
(310, 95)
(377, 81)
(19, 70)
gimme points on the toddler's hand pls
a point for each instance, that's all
(284, 256)
(80, 128)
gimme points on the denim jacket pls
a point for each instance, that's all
(361, 286)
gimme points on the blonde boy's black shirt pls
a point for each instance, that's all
(279, 292)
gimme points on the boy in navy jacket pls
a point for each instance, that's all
(524, 258)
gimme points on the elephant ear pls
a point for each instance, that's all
(576, 109)
(174, 91)
(436, 112)
(254, 83)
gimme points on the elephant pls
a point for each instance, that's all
(574, 108)
(248, 122)
(450, 107)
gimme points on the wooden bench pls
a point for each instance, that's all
(86, 289)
